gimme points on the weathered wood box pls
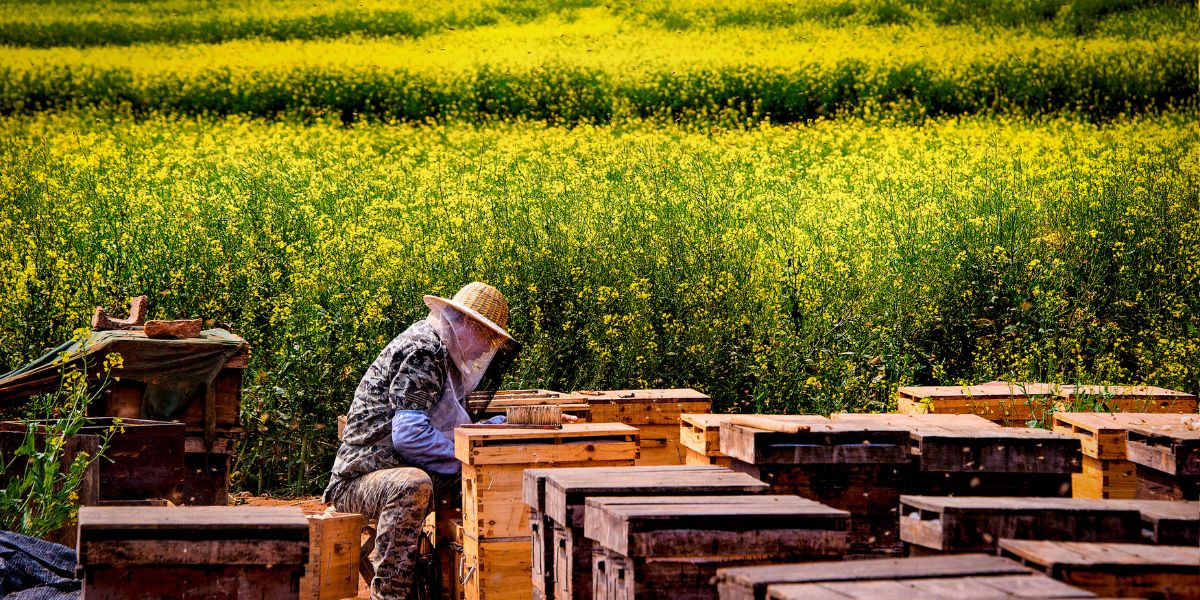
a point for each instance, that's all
(857, 466)
(672, 546)
(333, 545)
(948, 525)
(753, 583)
(1169, 522)
(1114, 570)
(1007, 403)
(144, 459)
(567, 552)
(966, 455)
(497, 543)
(211, 552)
(1166, 451)
(700, 436)
(656, 413)
(957, 577)
(206, 469)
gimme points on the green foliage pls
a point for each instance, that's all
(780, 269)
(41, 480)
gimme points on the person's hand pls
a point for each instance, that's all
(569, 418)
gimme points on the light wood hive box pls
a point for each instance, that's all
(656, 413)
(334, 541)
(1007, 403)
(1106, 473)
(497, 542)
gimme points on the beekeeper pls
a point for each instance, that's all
(398, 444)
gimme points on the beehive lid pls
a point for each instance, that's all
(643, 396)
(514, 445)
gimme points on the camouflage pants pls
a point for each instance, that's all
(399, 500)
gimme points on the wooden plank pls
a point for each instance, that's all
(567, 489)
(1010, 586)
(998, 401)
(182, 551)
(334, 541)
(750, 583)
(200, 581)
(627, 525)
(826, 442)
(950, 524)
(1124, 570)
(1127, 398)
(283, 522)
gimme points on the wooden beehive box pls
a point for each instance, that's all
(334, 540)
(260, 552)
(857, 466)
(672, 546)
(967, 455)
(1106, 472)
(1114, 570)
(1169, 522)
(940, 524)
(206, 471)
(501, 401)
(656, 413)
(567, 490)
(941, 577)
(752, 583)
(144, 459)
(700, 436)
(1125, 399)
(1166, 450)
(1003, 402)
(496, 520)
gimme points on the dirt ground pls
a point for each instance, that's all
(311, 505)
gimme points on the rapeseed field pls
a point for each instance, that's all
(791, 206)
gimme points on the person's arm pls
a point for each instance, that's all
(412, 391)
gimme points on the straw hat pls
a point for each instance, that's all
(481, 302)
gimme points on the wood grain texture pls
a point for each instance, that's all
(826, 442)
(334, 541)
(1124, 570)
(750, 583)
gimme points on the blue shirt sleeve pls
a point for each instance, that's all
(421, 445)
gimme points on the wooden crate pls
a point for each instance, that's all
(672, 546)
(334, 541)
(566, 493)
(124, 399)
(956, 588)
(1125, 399)
(1004, 402)
(930, 524)
(852, 465)
(260, 552)
(497, 569)
(752, 583)
(700, 435)
(1117, 570)
(1169, 522)
(655, 412)
(144, 459)
(1167, 453)
(494, 461)
(501, 401)
(206, 473)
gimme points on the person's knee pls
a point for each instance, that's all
(411, 487)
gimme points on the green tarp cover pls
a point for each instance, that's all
(174, 371)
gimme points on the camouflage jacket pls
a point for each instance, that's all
(409, 374)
